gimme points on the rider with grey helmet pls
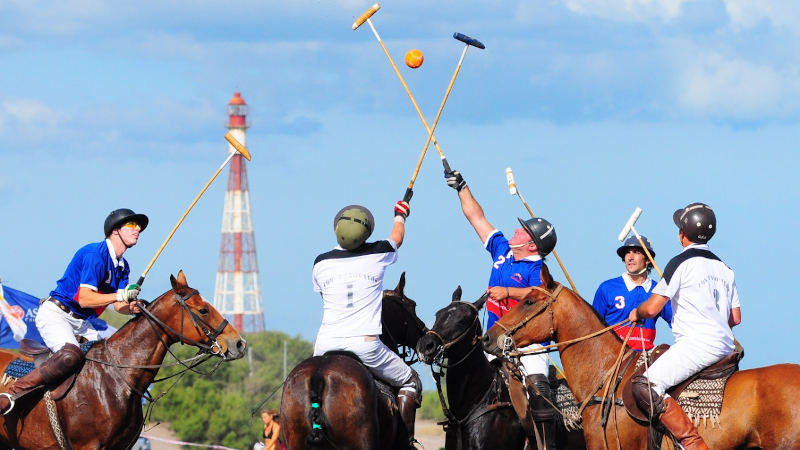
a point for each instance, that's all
(517, 265)
(703, 293)
(615, 298)
(96, 277)
(350, 280)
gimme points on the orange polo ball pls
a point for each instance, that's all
(414, 58)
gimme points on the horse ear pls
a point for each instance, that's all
(182, 278)
(173, 281)
(401, 285)
(481, 301)
(457, 294)
(546, 278)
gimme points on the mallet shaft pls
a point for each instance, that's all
(510, 179)
(239, 149)
(646, 251)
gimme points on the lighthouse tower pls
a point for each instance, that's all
(237, 294)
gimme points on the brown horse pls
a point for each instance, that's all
(103, 409)
(332, 401)
(759, 408)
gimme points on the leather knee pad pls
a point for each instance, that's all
(540, 404)
(414, 383)
(63, 363)
(646, 398)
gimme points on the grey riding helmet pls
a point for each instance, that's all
(632, 242)
(118, 217)
(697, 221)
(353, 225)
(542, 232)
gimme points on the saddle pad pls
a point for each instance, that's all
(568, 406)
(19, 368)
(702, 400)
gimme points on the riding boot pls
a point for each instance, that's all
(678, 423)
(54, 370)
(541, 409)
(409, 398)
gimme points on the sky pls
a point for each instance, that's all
(598, 106)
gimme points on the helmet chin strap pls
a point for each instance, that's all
(639, 272)
(519, 245)
(123, 240)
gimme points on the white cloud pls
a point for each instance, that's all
(719, 86)
(783, 14)
(26, 111)
(627, 10)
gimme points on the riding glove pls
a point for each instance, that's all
(402, 209)
(129, 294)
(455, 180)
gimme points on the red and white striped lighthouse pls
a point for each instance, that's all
(237, 294)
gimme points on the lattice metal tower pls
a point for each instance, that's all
(238, 293)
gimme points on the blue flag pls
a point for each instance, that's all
(18, 317)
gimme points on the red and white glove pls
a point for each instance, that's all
(402, 209)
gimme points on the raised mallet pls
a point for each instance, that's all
(242, 150)
(467, 41)
(366, 18)
(512, 189)
(628, 228)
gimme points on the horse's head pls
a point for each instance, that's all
(186, 317)
(457, 324)
(530, 321)
(401, 325)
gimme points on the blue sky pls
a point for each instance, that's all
(599, 106)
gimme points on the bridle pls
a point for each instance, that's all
(212, 346)
(438, 359)
(506, 341)
(407, 352)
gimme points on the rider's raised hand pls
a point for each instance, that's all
(402, 209)
(454, 179)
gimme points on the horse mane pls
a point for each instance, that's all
(547, 280)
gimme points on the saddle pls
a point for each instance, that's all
(388, 391)
(720, 370)
(35, 353)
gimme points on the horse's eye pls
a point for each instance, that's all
(203, 311)
(528, 302)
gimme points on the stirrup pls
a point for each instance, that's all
(414, 443)
(11, 402)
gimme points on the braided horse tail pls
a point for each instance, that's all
(316, 385)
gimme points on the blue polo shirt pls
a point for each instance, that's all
(507, 272)
(617, 297)
(94, 267)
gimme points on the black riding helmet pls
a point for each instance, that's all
(542, 232)
(697, 221)
(118, 217)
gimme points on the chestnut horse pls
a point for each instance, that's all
(103, 408)
(332, 401)
(481, 415)
(759, 408)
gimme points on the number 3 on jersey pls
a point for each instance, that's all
(619, 302)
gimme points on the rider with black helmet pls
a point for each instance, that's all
(615, 298)
(703, 293)
(350, 280)
(517, 264)
(96, 277)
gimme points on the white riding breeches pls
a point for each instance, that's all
(384, 363)
(58, 328)
(679, 362)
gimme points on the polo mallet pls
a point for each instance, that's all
(241, 149)
(467, 41)
(628, 228)
(512, 189)
(366, 18)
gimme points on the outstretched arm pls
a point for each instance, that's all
(474, 214)
(650, 308)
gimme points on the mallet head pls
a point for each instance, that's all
(364, 17)
(512, 186)
(629, 224)
(238, 146)
(468, 40)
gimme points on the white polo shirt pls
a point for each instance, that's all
(703, 291)
(351, 284)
